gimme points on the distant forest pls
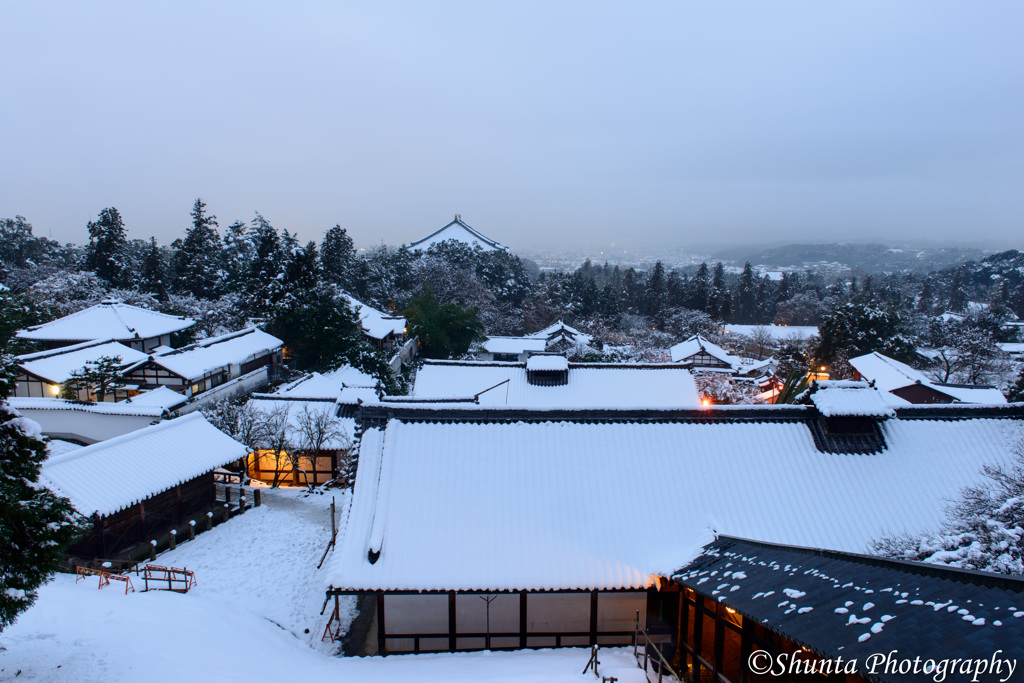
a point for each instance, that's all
(228, 277)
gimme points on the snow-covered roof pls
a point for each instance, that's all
(458, 230)
(110, 319)
(57, 365)
(602, 504)
(561, 330)
(326, 385)
(1013, 348)
(55, 447)
(547, 363)
(589, 385)
(777, 332)
(118, 473)
(208, 355)
(889, 374)
(850, 399)
(514, 345)
(161, 397)
(695, 344)
(375, 323)
(103, 408)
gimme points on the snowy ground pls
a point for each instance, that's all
(258, 591)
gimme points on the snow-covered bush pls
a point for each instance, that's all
(983, 530)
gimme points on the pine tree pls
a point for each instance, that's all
(656, 298)
(957, 292)
(198, 261)
(153, 272)
(107, 253)
(719, 305)
(263, 284)
(746, 296)
(1016, 392)
(338, 256)
(35, 525)
(238, 254)
(95, 381)
(700, 289)
(926, 300)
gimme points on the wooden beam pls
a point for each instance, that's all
(451, 621)
(593, 618)
(522, 619)
(381, 641)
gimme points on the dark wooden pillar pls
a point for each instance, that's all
(381, 641)
(522, 619)
(593, 618)
(719, 638)
(451, 621)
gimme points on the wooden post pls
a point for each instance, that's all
(192, 530)
(451, 615)
(152, 551)
(174, 538)
(381, 641)
(256, 496)
(593, 618)
(209, 521)
(522, 619)
(334, 531)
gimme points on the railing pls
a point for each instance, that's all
(648, 646)
(172, 576)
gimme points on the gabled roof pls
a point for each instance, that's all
(461, 232)
(56, 365)
(118, 473)
(560, 330)
(604, 385)
(195, 360)
(889, 374)
(375, 323)
(695, 344)
(161, 397)
(516, 345)
(110, 319)
(552, 501)
(855, 606)
(327, 385)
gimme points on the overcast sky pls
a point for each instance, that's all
(542, 123)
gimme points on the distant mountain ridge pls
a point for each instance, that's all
(870, 258)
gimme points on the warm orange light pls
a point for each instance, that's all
(823, 368)
(706, 402)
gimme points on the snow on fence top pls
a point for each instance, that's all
(112, 475)
(850, 399)
(57, 365)
(108, 320)
(535, 505)
(515, 345)
(589, 385)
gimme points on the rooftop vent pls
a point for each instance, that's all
(547, 370)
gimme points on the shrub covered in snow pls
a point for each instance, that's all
(983, 531)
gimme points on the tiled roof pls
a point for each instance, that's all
(56, 365)
(545, 501)
(195, 360)
(458, 230)
(590, 385)
(889, 374)
(375, 323)
(115, 474)
(108, 320)
(839, 604)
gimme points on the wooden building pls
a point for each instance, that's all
(138, 328)
(848, 616)
(907, 385)
(142, 484)
(43, 374)
(458, 231)
(383, 330)
(209, 363)
(568, 522)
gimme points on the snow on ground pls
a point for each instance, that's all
(257, 591)
(77, 633)
(264, 562)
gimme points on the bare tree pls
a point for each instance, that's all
(277, 442)
(243, 422)
(317, 428)
(762, 341)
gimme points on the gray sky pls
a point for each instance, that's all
(542, 123)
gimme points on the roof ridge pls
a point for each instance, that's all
(64, 349)
(117, 440)
(114, 307)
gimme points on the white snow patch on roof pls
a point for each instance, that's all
(108, 320)
(57, 365)
(851, 401)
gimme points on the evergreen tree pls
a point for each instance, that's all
(700, 289)
(318, 330)
(746, 296)
(1016, 392)
(718, 300)
(957, 292)
(107, 253)
(656, 298)
(153, 272)
(444, 330)
(36, 527)
(926, 299)
(338, 256)
(198, 260)
(263, 282)
(95, 381)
